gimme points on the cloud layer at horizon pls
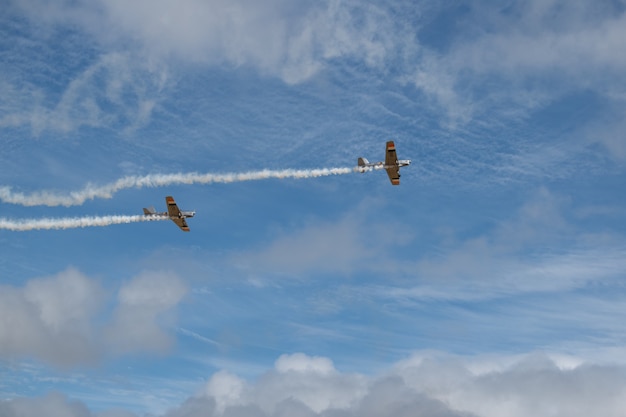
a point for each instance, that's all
(425, 383)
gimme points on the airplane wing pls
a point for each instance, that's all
(181, 222)
(391, 163)
(174, 212)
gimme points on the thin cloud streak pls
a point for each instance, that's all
(91, 192)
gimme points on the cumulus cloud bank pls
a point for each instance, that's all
(56, 319)
(429, 384)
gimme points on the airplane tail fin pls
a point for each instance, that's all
(149, 211)
(363, 162)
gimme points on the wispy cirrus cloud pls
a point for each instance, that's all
(510, 61)
(276, 37)
(537, 248)
(112, 90)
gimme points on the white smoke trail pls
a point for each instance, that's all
(72, 222)
(90, 192)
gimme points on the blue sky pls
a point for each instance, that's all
(489, 283)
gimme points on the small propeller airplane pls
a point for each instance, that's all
(173, 212)
(392, 164)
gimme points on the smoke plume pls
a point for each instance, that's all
(90, 192)
(72, 222)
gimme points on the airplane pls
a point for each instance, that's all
(392, 164)
(173, 212)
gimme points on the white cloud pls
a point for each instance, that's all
(57, 319)
(610, 132)
(439, 83)
(574, 51)
(226, 389)
(323, 246)
(475, 273)
(517, 255)
(440, 385)
(535, 249)
(276, 36)
(508, 60)
(114, 89)
(300, 383)
(142, 305)
(542, 389)
(427, 383)
(311, 381)
(344, 246)
(53, 405)
(50, 318)
(299, 362)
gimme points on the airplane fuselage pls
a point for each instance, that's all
(381, 165)
(403, 162)
(391, 164)
(173, 213)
